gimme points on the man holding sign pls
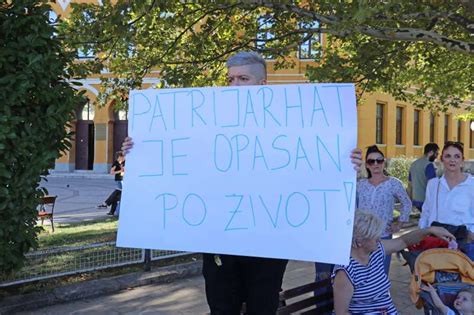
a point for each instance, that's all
(234, 279)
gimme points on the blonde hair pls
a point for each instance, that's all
(367, 225)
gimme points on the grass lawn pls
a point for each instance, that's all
(50, 284)
(76, 234)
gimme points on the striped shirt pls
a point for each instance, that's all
(371, 285)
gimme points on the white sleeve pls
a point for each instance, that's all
(450, 312)
(428, 205)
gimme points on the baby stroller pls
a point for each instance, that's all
(447, 270)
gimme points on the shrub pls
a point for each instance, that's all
(399, 167)
(36, 106)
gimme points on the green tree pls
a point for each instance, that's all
(419, 51)
(36, 106)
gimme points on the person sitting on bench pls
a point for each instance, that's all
(117, 169)
(362, 286)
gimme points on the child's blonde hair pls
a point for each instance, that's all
(469, 290)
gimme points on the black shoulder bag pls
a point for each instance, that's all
(459, 231)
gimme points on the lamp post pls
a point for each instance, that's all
(472, 125)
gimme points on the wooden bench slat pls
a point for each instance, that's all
(310, 287)
(307, 302)
(321, 303)
(326, 309)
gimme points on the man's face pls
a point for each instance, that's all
(244, 75)
(433, 155)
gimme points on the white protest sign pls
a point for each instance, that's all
(255, 171)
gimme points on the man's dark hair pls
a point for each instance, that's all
(429, 147)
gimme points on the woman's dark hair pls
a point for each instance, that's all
(455, 144)
(374, 149)
(118, 154)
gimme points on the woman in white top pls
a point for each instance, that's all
(450, 199)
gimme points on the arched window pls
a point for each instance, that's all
(87, 112)
(122, 114)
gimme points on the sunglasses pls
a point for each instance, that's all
(373, 161)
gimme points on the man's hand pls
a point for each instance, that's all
(356, 158)
(127, 145)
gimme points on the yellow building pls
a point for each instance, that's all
(397, 127)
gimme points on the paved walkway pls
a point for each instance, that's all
(78, 196)
(186, 296)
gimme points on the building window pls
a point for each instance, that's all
(416, 127)
(86, 52)
(432, 127)
(311, 48)
(122, 114)
(87, 112)
(447, 118)
(399, 126)
(459, 128)
(264, 35)
(379, 132)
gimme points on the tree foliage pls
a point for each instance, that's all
(418, 51)
(36, 106)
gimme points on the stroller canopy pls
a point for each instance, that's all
(439, 259)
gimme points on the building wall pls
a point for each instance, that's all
(366, 118)
(104, 116)
(367, 125)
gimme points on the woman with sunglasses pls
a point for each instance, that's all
(378, 194)
(450, 199)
